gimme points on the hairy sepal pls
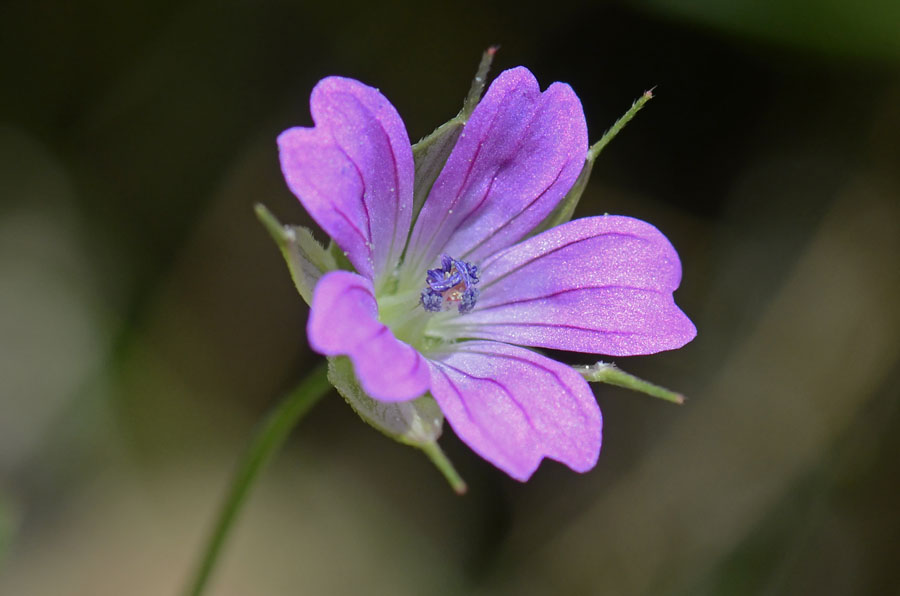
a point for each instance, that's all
(417, 422)
(565, 209)
(307, 260)
(607, 372)
(431, 153)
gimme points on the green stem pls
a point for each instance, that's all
(437, 457)
(610, 134)
(271, 435)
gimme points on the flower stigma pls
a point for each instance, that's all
(452, 284)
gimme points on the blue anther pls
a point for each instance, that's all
(467, 302)
(432, 300)
(452, 283)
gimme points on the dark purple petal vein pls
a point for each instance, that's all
(514, 407)
(516, 158)
(601, 285)
(353, 172)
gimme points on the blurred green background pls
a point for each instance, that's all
(147, 322)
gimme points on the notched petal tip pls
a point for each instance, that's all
(516, 158)
(353, 172)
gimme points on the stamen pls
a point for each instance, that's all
(451, 284)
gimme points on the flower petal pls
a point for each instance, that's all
(516, 158)
(600, 284)
(353, 172)
(343, 321)
(514, 407)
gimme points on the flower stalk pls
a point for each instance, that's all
(445, 467)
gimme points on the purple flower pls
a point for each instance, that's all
(443, 300)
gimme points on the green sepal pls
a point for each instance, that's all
(607, 372)
(566, 208)
(416, 422)
(339, 257)
(431, 153)
(564, 211)
(306, 259)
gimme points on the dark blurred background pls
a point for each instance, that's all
(147, 322)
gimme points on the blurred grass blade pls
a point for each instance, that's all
(272, 433)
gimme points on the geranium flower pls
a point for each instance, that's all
(450, 300)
